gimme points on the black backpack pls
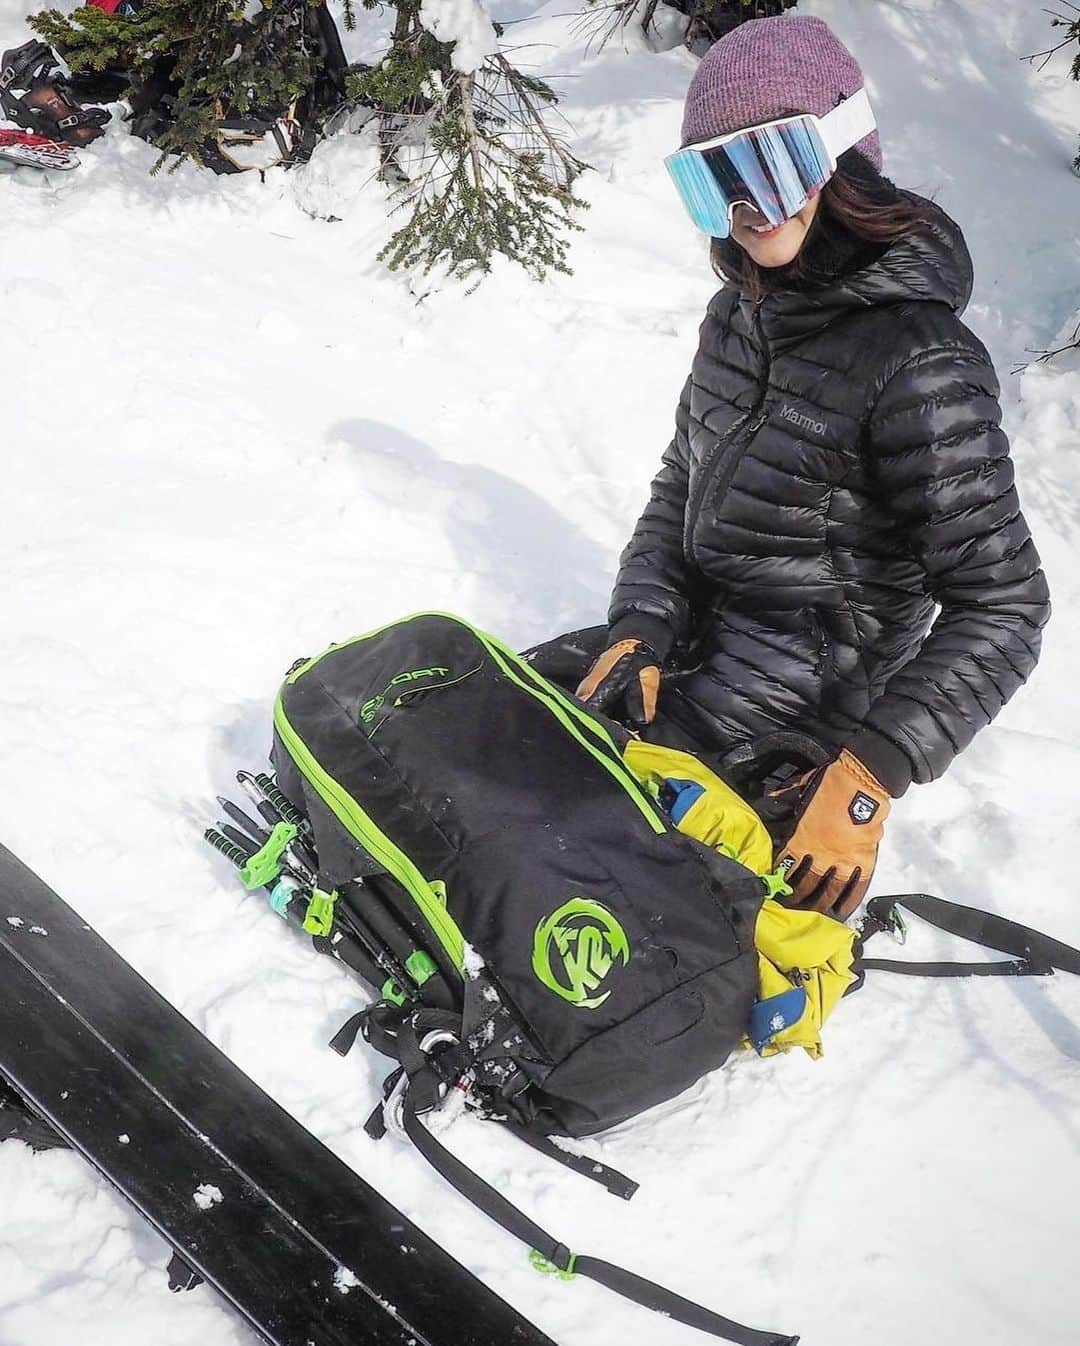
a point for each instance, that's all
(600, 961)
(531, 919)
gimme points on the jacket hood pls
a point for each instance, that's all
(931, 265)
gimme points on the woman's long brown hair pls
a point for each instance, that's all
(860, 207)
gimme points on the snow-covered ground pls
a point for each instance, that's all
(232, 436)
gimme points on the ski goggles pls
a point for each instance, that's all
(776, 168)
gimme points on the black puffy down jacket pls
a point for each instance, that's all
(839, 470)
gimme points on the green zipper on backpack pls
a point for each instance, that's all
(302, 668)
(355, 821)
(567, 712)
(572, 716)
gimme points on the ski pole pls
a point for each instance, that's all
(289, 893)
(260, 834)
(280, 801)
(290, 859)
(241, 850)
(239, 839)
(268, 810)
(378, 953)
(289, 898)
(300, 866)
(347, 949)
(278, 809)
(222, 844)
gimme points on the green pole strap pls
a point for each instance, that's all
(319, 919)
(265, 865)
(420, 966)
(392, 992)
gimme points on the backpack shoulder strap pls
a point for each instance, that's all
(1033, 954)
(431, 1058)
(558, 1257)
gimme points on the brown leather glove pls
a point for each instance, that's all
(831, 855)
(628, 671)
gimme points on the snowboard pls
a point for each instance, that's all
(28, 150)
(300, 1245)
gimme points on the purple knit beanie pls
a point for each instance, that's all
(770, 68)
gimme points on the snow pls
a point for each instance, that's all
(465, 23)
(206, 1196)
(233, 437)
(344, 1280)
(472, 961)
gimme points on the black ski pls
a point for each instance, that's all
(250, 1201)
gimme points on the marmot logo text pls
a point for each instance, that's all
(803, 422)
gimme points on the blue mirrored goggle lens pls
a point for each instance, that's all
(775, 168)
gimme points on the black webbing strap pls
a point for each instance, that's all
(344, 1040)
(496, 1207)
(618, 1184)
(395, 1032)
(907, 968)
(1033, 953)
(24, 64)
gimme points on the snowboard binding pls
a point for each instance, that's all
(35, 95)
(19, 1121)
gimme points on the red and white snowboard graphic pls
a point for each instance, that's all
(34, 151)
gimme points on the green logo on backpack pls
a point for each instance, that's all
(575, 948)
(374, 704)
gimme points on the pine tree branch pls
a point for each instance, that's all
(1045, 356)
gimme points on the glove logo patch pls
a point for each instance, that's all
(575, 948)
(862, 807)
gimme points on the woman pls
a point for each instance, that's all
(838, 474)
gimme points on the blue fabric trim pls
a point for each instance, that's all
(772, 1016)
(680, 796)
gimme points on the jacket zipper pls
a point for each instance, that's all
(825, 654)
(357, 823)
(751, 423)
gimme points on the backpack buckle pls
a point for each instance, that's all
(394, 1107)
(562, 1266)
(883, 914)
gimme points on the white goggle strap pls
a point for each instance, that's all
(847, 123)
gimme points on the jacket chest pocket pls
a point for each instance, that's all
(717, 471)
(742, 463)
